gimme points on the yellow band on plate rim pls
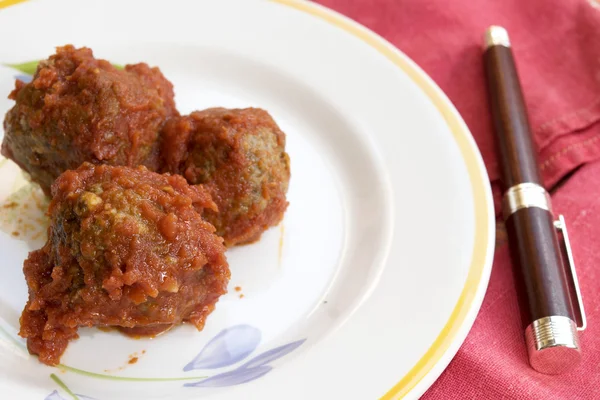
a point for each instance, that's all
(6, 3)
(476, 176)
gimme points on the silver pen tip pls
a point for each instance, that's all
(496, 36)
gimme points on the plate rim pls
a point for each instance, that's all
(448, 341)
(465, 311)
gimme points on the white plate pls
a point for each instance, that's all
(374, 278)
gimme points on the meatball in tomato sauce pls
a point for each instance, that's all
(78, 108)
(127, 248)
(239, 156)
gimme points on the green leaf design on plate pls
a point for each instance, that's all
(29, 67)
(63, 386)
(125, 378)
(26, 67)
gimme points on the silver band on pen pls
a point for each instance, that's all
(525, 195)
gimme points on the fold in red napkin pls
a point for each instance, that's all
(556, 44)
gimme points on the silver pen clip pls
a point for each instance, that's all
(561, 225)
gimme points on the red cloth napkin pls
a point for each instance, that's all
(557, 48)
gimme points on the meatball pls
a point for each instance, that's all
(239, 155)
(78, 108)
(126, 248)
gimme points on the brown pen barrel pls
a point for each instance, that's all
(535, 246)
(515, 147)
(533, 238)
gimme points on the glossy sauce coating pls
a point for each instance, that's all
(126, 248)
(239, 156)
(78, 108)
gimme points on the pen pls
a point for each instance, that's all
(551, 330)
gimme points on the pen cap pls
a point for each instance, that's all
(514, 143)
(553, 345)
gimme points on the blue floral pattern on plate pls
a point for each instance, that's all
(231, 378)
(56, 396)
(273, 354)
(231, 346)
(228, 347)
(24, 78)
